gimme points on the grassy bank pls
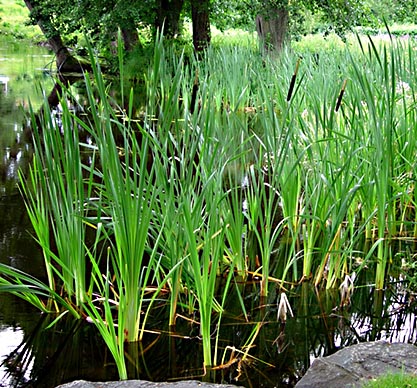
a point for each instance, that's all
(13, 18)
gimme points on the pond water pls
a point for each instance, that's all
(22, 70)
(33, 354)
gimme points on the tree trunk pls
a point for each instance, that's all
(200, 14)
(52, 36)
(272, 28)
(130, 38)
(168, 17)
(65, 62)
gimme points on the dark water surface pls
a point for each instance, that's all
(22, 70)
(34, 354)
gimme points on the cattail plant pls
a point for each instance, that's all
(273, 174)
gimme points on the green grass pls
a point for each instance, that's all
(13, 19)
(395, 29)
(393, 380)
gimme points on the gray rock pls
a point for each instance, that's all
(352, 366)
(143, 384)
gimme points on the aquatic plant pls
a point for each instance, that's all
(276, 173)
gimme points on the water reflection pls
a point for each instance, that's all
(4, 83)
(23, 69)
(21, 73)
(47, 356)
(16, 319)
(278, 357)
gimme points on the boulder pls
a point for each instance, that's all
(349, 367)
(352, 366)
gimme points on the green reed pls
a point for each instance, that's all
(127, 196)
(55, 199)
(110, 325)
(386, 102)
(33, 291)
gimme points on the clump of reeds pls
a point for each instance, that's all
(269, 174)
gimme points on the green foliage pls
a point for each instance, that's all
(315, 16)
(401, 11)
(305, 15)
(226, 14)
(99, 19)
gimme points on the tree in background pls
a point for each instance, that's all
(45, 21)
(276, 21)
(272, 22)
(168, 17)
(399, 11)
(65, 62)
(200, 16)
(101, 19)
(275, 17)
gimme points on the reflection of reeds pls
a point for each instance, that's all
(245, 186)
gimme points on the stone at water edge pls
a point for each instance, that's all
(143, 384)
(354, 365)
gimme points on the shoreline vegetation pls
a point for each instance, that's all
(227, 170)
(249, 180)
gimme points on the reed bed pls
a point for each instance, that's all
(224, 174)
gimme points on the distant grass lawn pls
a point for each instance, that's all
(393, 380)
(13, 16)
